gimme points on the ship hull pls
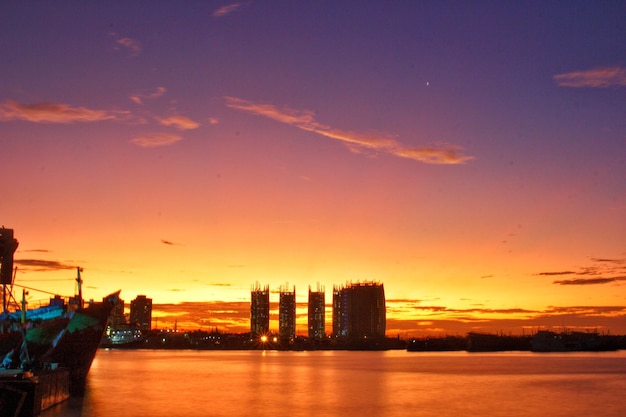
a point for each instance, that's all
(70, 342)
(548, 341)
(79, 343)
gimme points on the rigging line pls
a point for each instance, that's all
(35, 289)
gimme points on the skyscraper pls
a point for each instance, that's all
(359, 311)
(341, 311)
(117, 314)
(287, 315)
(141, 312)
(259, 310)
(317, 313)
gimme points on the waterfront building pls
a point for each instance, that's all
(117, 314)
(340, 312)
(287, 315)
(259, 310)
(317, 313)
(359, 311)
(124, 334)
(141, 312)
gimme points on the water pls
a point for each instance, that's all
(339, 383)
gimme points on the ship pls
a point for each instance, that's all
(572, 341)
(34, 343)
(437, 344)
(124, 336)
(487, 342)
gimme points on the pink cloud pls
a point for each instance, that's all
(596, 78)
(154, 140)
(138, 98)
(224, 10)
(131, 44)
(356, 142)
(179, 122)
(46, 112)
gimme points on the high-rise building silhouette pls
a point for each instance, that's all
(287, 315)
(317, 313)
(141, 312)
(259, 310)
(359, 311)
(340, 312)
(117, 314)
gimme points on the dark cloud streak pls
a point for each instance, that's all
(42, 265)
(604, 271)
(589, 281)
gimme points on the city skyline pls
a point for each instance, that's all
(470, 155)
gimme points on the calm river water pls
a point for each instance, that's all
(340, 383)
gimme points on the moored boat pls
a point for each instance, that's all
(62, 335)
(571, 341)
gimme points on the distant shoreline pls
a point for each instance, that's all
(543, 341)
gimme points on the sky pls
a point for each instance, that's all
(470, 156)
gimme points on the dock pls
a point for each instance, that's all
(27, 394)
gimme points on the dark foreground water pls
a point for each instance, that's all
(339, 383)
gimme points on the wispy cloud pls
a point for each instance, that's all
(138, 98)
(589, 281)
(224, 10)
(585, 310)
(595, 78)
(155, 140)
(446, 310)
(133, 45)
(47, 112)
(179, 122)
(170, 243)
(42, 265)
(228, 316)
(305, 120)
(556, 273)
(435, 155)
(602, 271)
(612, 261)
(234, 316)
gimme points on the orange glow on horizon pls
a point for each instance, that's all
(184, 165)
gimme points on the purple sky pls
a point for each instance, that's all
(469, 155)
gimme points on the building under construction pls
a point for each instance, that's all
(259, 310)
(359, 311)
(287, 315)
(317, 313)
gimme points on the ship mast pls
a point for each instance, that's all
(79, 284)
(8, 246)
